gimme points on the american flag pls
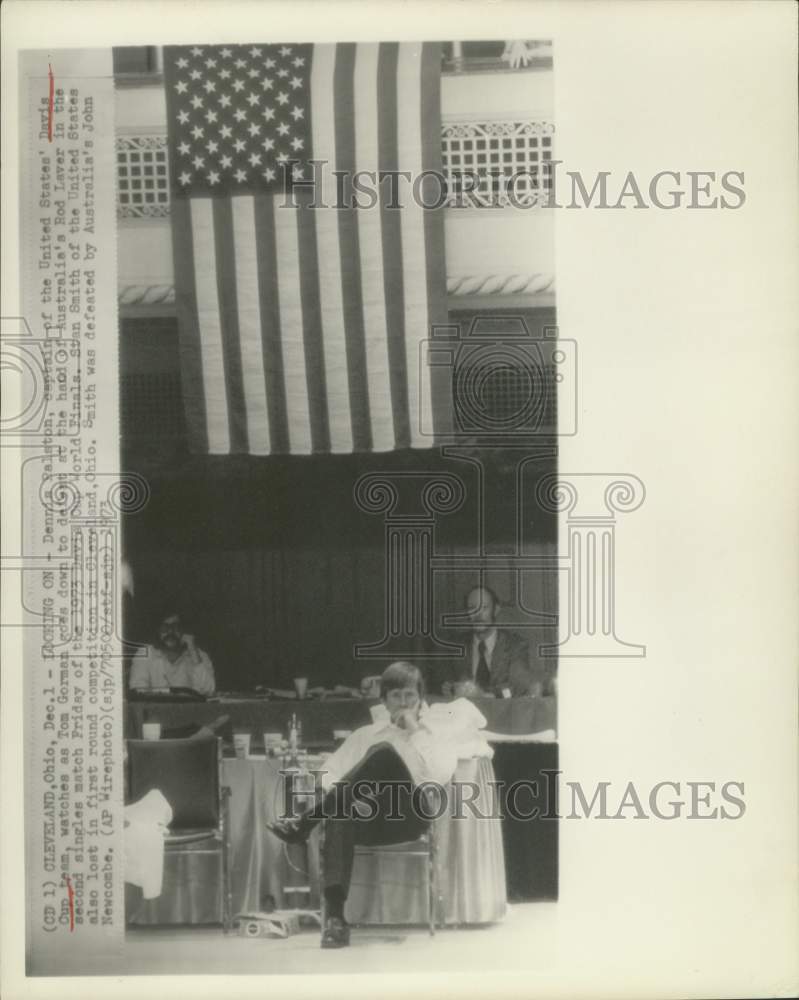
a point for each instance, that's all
(301, 327)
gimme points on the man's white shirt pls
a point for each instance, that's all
(447, 733)
(152, 669)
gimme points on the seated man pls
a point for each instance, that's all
(497, 660)
(373, 790)
(173, 661)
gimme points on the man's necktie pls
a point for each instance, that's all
(483, 675)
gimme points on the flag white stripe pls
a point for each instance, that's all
(213, 364)
(370, 238)
(291, 330)
(334, 340)
(414, 259)
(250, 332)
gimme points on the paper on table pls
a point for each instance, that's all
(545, 736)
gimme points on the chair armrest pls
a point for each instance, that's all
(190, 837)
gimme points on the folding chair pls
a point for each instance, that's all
(186, 772)
(424, 846)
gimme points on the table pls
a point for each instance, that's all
(320, 717)
(263, 869)
(531, 846)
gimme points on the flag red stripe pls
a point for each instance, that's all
(229, 316)
(394, 290)
(188, 326)
(270, 322)
(435, 250)
(312, 321)
(350, 251)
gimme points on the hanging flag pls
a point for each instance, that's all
(301, 327)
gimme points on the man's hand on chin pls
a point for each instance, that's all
(406, 719)
(191, 646)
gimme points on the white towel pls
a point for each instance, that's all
(146, 823)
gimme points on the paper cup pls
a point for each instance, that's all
(151, 730)
(301, 686)
(241, 744)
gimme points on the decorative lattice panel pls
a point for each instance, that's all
(487, 164)
(142, 180)
(494, 164)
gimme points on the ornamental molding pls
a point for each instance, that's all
(143, 138)
(501, 284)
(147, 295)
(458, 286)
(143, 212)
(496, 127)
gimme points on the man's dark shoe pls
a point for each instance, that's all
(336, 933)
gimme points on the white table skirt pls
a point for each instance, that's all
(470, 863)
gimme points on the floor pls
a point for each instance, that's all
(198, 950)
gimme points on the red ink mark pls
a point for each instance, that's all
(50, 104)
(71, 895)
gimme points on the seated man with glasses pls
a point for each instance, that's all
(376, 784)
(173, 662)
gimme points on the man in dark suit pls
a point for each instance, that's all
(496, 660)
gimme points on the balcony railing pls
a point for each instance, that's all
(487, 164)
(141, 65)
(493, 57)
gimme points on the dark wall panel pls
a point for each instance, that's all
(271, 561)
